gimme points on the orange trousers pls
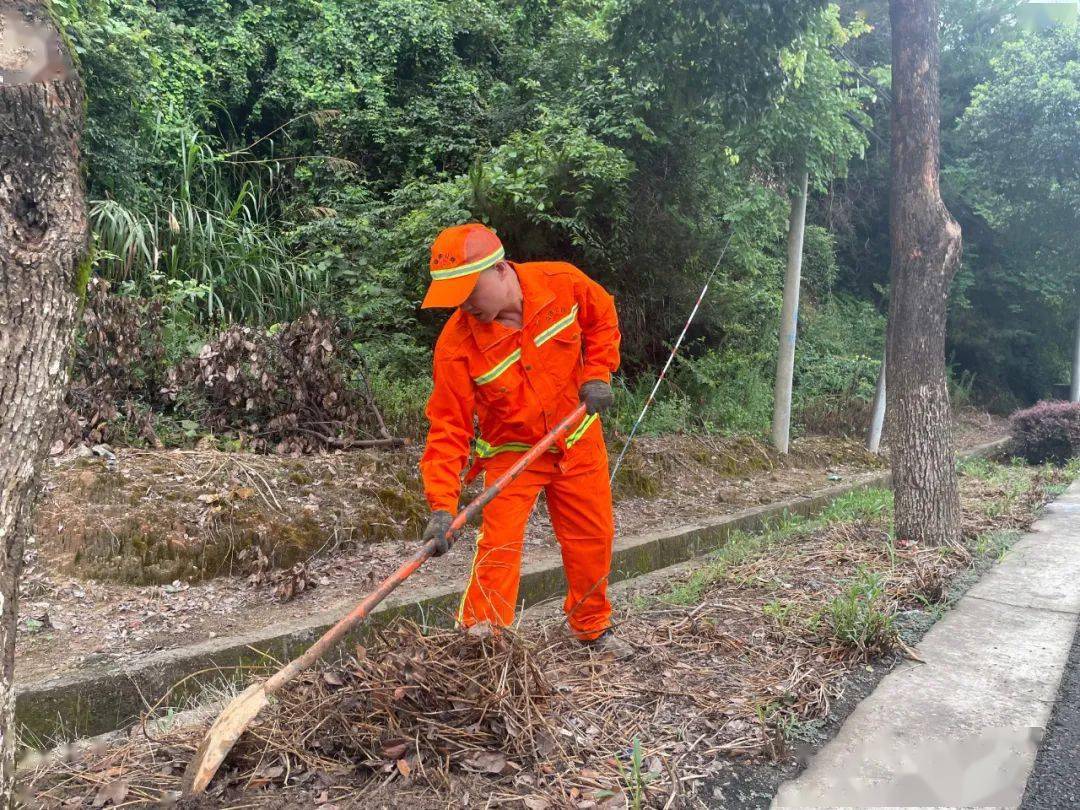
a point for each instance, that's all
(579, 502)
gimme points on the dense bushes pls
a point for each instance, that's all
(249, 162)
(836, 365)
(1048, 431)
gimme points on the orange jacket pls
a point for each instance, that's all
(518, 382)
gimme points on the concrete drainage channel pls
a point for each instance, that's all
(98, 700)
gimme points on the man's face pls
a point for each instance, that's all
(489, 296)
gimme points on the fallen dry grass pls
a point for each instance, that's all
(738, 660)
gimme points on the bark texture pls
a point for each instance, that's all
(43, 243)
(925, 256)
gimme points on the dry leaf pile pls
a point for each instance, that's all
(486, 702)
(118, 367)
(416, 706)
(286, 390)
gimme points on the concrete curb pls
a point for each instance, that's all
(99, 699)
(961, 726)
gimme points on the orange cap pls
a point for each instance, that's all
(458, 256)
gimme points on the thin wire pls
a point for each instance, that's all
(648, 402)
(674, 350)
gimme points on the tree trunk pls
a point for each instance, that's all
(43, 242)
(1074, 388)
(925, 256)
(789, 321)
(877, 411)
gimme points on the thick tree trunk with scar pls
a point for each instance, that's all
(43, 241)
(925, 256)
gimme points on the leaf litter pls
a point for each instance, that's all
(739, 673)
(172, 518)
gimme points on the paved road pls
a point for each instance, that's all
(1055, 779)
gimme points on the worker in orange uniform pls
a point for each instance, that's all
(526, 344)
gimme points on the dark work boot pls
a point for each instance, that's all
(607, 643)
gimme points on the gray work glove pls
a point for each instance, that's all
(597, 396)
(437, 527)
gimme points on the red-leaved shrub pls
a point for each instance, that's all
(1047, 431)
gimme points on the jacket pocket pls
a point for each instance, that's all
(562, 355)
(498, 384)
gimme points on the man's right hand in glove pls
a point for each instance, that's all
(437, 527)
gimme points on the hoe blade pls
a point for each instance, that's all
(222, 736)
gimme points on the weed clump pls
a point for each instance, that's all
(861, 616)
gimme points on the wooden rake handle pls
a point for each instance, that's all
(409, 567)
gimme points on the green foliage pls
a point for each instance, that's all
(860, 616)
(860, 504)
(724, 55)
(1008, 134)
(401, 402)
(1020, 139)
(839, 349)
(634, 776)
(837, 363)
(819, 267)
(715, 392)
(262, 158)
(819, 121)
(216, 231)
(730, 392)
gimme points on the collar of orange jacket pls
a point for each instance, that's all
(535, 293)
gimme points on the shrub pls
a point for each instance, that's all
(729, 390)
(218, 229)
(836, 365)
(1047, 431)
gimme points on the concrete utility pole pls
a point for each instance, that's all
(1074, 391)
(877, 412)
(789, 319)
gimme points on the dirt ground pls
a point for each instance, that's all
(746, 662)
(136, 550)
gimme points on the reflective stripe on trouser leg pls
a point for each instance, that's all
(581, 514)
(492, 592)
(472, 573)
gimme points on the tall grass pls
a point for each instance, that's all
(715, 392)
(219, 226)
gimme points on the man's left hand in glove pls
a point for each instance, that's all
(597, 396)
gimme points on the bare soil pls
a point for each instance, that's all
(136, 550)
